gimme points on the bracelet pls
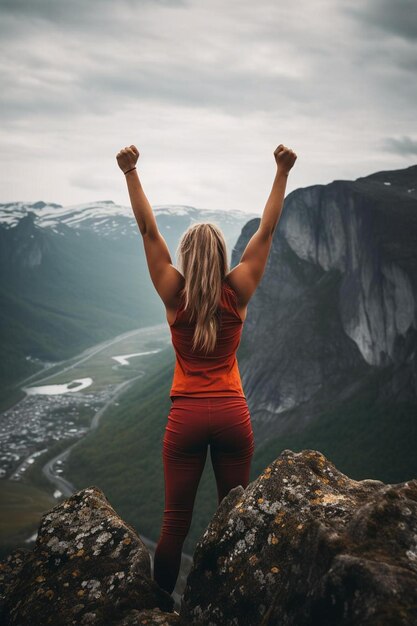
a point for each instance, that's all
(132, 168)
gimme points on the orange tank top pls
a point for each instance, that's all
(217, 373)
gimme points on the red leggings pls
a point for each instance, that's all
(193, 423)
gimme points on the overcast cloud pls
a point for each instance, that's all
(206, 90)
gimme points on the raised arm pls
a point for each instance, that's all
(165, 277)
(246, 276)
(127, 158)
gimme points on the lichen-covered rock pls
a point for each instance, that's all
(150, 617)
(306, 545)
(10, 569)
(88, 566)
(303, 545)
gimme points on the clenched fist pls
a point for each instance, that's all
(127, 158)
(285, 158)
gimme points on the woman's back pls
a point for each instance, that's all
(217, 373)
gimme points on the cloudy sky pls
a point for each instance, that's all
(206, 90)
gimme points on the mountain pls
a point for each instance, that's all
(334, 317)
(112, 221)
(73, 276)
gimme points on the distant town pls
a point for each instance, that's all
(38, 421)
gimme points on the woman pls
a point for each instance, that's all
(205, 309)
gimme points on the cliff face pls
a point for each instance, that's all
(302, 545)
(343, 226)
(338, 297)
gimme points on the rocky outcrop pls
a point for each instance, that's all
(88, 567)
(306, 545)
(302, 545)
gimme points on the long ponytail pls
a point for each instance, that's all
(202, 256)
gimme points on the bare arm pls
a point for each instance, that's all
(127, 159)
(273, 208)
(165, 277)
(142, 210)
(246, 276)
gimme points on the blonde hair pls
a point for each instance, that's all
(202, 259)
